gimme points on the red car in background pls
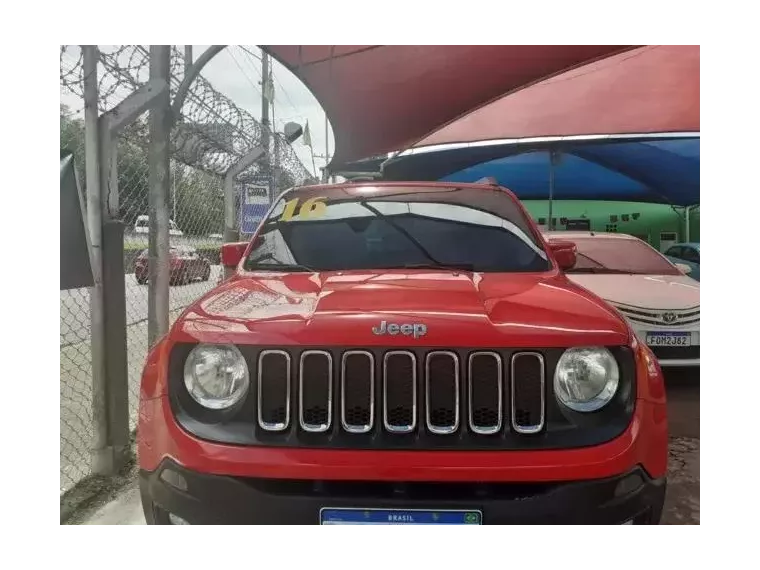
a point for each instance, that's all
(186, 266)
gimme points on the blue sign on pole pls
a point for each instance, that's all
(253, 207)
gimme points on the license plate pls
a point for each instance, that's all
(668, 339)
(381, 516)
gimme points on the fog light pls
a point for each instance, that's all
(628, 485)
(174, 519)
(174, 479)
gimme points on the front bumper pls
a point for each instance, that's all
(200, 498)
(675, 357)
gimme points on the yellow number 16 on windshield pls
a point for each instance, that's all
(310, 209)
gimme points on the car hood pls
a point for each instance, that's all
(674, 292)
(457, 309)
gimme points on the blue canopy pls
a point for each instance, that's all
(662, 170)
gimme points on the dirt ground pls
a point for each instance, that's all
(682, 499)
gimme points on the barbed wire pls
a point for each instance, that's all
(211, 133)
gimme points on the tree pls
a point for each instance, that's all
(72, 140)
(200, 201)
(132, 161)
(199, 195)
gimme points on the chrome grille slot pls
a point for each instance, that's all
(442, 392)
(527, 392)
(357, 389)
(315, 380)
(399, 391)
(273, 409)
(485, 377)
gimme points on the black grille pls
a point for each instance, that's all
(486, 401)
(443, 395)
(274, 390)
(442, 392)
(400, 388)
(315, 387)
(527, 392)
(357, 391)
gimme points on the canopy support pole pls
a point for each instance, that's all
(553, 159)
(687, 227)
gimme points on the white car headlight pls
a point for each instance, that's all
(586, 379)
(216, 375)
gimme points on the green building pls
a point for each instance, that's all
(658, 224)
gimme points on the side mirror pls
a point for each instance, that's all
(232, 253)
(685, 269)
(564, 253)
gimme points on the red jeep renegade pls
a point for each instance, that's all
(401, 353)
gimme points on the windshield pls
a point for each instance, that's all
(615, 255)
(397, 227)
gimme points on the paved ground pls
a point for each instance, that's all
(682, 502)
(76, 394)
(75, 308)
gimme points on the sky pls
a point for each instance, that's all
(236, 72)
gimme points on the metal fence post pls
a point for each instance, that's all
(99, 451)
(230, 217)
(114, 305)
(158, 176)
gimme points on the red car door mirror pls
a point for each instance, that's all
(564, 253)
(232, 253)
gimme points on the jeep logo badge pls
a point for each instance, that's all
(416, 330)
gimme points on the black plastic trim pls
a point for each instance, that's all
(219, 499)
(563, 428)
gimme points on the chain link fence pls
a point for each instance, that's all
(209, 137)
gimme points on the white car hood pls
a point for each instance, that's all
(673, 292)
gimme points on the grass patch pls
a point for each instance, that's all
(141, 244)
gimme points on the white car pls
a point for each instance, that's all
(656, 296)
(141, 226)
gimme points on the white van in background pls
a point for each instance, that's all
(141, 226)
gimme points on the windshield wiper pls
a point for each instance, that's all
(407, 235)
(254, 264)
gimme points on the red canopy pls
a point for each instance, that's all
(652, 89)
(385, 98)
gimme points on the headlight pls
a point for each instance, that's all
(586, 379)
(216, 375)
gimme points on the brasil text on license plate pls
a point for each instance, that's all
(668, 338)
(382, 516)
